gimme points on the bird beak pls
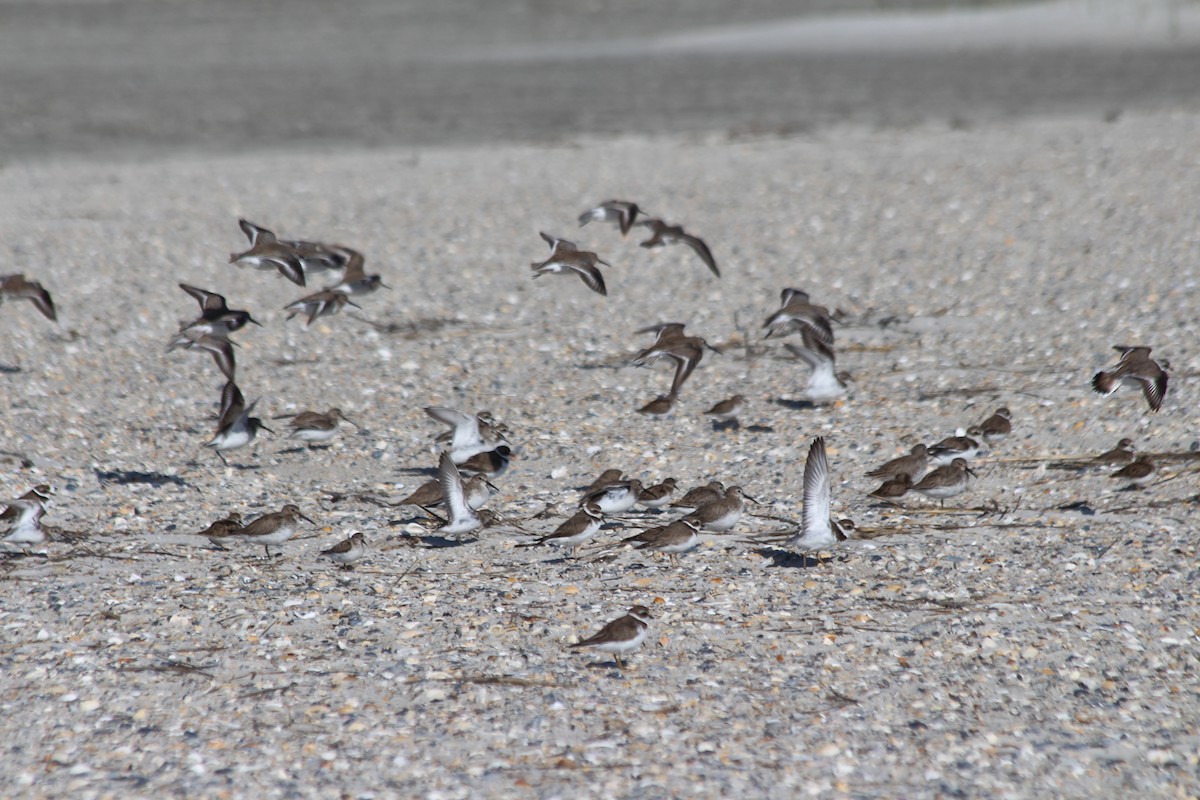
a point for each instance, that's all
(306, 519)
(265, 428)
(252, 319)
(751, 499)
(352, 422)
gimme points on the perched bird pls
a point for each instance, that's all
(825, 383)
(818, 530)
(604, 479)
(620, 635)
(659, 406)
(226, 526)
(461, 518)
(721, 515)
(1120, 455)
(671, 343)
(658, 495)
(725, 413)
(565, 257)
(1136, 368)
(911, 465)
(614, 498)
(1140, 473)
(893, 488)
(797, 314)
(469, 434)
(312, 426)
(236, 428)
(996, 427)
(622, 212)
(662, 234)
(273, 528)
(324, 303)
(699, 496)
(952, 447)
(576, 530)
(678, 537)
(347, 551)
(15, 287)
(946, 481)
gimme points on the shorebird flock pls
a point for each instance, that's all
(476, 449)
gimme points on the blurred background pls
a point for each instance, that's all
(125, 78)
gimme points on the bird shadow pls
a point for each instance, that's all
(124, 477)
(304, 448)
(785, 559)
(794, 405)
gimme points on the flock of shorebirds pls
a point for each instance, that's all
(476, 449)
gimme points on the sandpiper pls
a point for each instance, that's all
(658, 407)
(946, 481)
(620, 635)
(27, 529)
(797, 313)
(491, 464)
(678, 537)
(314, 427)
(663, 234)
(952, 447)
(461, 518)
(274, 528)
(1120, 455)
(614, 498)
(912, 465)
(236, 428)
(622, 212)
(219, 346)
(699, 496)
(39, 494)
(469, 434)
(1136, 368)
(324, 303)
(576, 530)
(223, 527)
(17, 288)
(997, 426)
(725, 413)
(216, 317)
(825, 383)
(565, 257)
(268, 253)
(477, 490)
(1140, 473)
(604, 479)
(347, 551)
(671, 343)
(818, 530)
(893, 488)
(355, 281)
(658, 495)
(721, 515)
(313, 256)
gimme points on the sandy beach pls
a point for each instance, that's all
(1037, 637)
